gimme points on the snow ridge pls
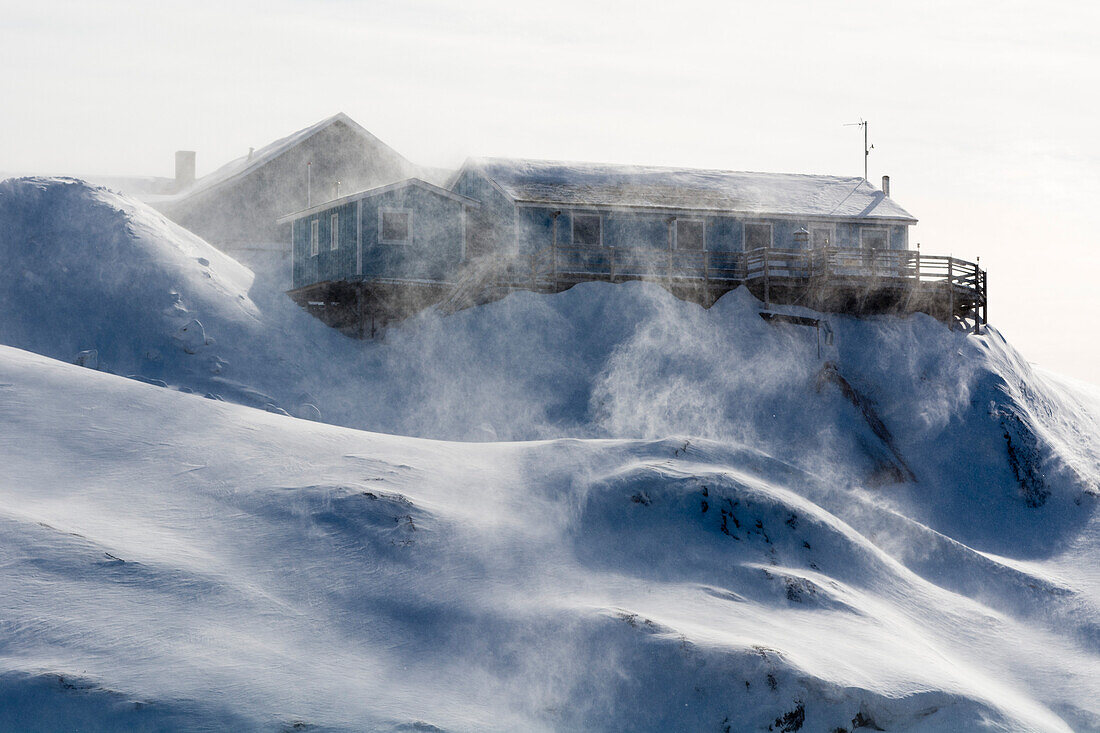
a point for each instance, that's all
(675, 518)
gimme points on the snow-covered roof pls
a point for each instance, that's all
(431, 187)
(248, 163)
(649, 187)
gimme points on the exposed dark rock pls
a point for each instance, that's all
(1023, 456)
(862, 720)
(790, 721)
(891, 467)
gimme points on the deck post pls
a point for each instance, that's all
(767, 291)
(611, 263)
(359, 309)
(554, 253)
(706, 275)
(979, 300)
(951, 293)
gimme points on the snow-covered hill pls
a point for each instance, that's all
(718, 529)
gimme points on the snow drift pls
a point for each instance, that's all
(718, 528)
(178, 562)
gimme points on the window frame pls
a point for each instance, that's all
(885, 232)
(334, 231)
(689, 220)
(314, 237)
(382, 212)
(745, 234)
(573, 227)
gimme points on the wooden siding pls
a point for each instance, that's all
(490, 229)
(643, 230)
(433, 252)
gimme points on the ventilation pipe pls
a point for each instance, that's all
(886, 186)
(185, 168)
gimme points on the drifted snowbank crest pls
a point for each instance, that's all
(737, 549)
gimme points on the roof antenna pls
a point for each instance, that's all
(866, 148)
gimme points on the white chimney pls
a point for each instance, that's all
(886, 186)
(185, 168)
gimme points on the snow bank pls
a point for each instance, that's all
(178, 562)
(90, 270)
(716, 522)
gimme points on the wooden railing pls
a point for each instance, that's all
(961, 283)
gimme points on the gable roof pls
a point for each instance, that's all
(246, 164)
(430, 187)
(651, 187)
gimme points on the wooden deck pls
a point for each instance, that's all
(851, 281)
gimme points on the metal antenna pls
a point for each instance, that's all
(866, 148)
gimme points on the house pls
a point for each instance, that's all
(391, 250)
(826, 242)
(532, 204)
(235, 208)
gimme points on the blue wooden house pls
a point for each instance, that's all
(236, 207)
(829, 242)
(533, 204)
(411, 230)
(381, 253)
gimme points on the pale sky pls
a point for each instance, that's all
(984, 115)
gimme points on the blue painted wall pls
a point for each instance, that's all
(491, 228)
(651, 231)
(434, 250)
(435, 247)
(439, 241)
(327, 264)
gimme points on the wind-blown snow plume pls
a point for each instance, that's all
(718, 527)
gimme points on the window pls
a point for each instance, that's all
(587, 230)
(873, 238)
(334, 231)
(395, 227)
(314, 237)
(689, 234)
(758, 236)
(821, 237)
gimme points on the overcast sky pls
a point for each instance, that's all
(985, 116)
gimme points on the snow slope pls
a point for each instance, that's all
(89, 270)
(171, 561)
(718, 529)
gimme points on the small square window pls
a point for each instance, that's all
(395, 227)
(587, 230)
(334, 231)
(314, 237)
(758, 236)
(872, 238)
(689, 234)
